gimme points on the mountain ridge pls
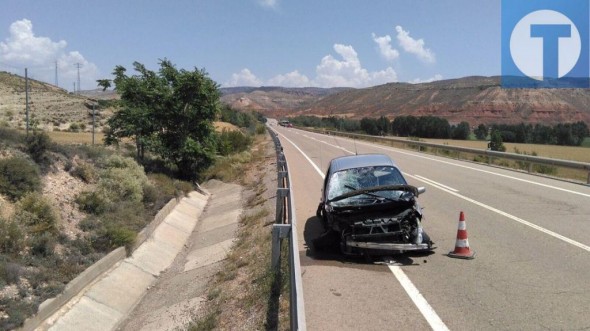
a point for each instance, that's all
(475, 99)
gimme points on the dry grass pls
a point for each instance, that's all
(580, 154)
(220, 126)
(241, 296)
(63, 137)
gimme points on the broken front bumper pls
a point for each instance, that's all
(403, 247)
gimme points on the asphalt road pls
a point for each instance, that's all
(531, 236)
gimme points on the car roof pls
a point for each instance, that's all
(358, 161)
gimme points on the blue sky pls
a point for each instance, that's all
(255, 42)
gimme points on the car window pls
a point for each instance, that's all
(348, 180)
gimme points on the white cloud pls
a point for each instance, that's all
(244, 78)
(414, 46)
(292, 79)
(385, 49)
(429, 80)
(268, 3)
(23, 49)
(332, 72)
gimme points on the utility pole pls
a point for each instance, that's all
(78, 65)
(56, 74)
(93, 112)
(27, 98)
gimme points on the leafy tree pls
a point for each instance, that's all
(104, 83)
(383, 125)
(405, 126)
(542, 134)
(579, 132)
(481, 132)
(461, 131)
(169, 112)
(496, 143)
(369, 125)
(433, 127)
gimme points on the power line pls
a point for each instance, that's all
(27, 98)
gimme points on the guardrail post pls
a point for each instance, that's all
(588, 181)
(282, 193)
(279, 232)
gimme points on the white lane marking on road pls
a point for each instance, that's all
(427, 311)
(327, 143)
(512, 217)
(300, 151)
(431, 182)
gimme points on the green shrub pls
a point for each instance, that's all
(121, 179)
(113, 236)
(12, 237)
(85, 172)
(120, 236)
(37, 145)
(120, 185)
(164, 184)
(545, 169)
(116, 227)
(260, 129)
(74, 127)
(93, 202)
(90, 223)
(10, 272)
(129, 214)
(42, 245)
(182, 188)
(18, 177)
(150, 194)
(229, 168)
(11, 135)
(231, 142)
(17, 311)
(37, 213)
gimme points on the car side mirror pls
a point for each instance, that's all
(421, 190)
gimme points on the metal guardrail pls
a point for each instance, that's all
(285, 227)
(531, 160)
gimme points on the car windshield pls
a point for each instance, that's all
(354, 179)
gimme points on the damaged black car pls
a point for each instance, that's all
(367, 206)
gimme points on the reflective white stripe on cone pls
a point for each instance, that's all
(462, 250)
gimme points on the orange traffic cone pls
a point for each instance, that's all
(462, 250)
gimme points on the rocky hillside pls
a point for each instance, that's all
(472, 99)
(50, 107)
(278, 101)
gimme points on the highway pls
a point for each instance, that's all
(531, 236)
